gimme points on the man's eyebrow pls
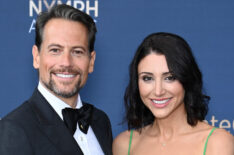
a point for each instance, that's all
(60, 46)
(79, 47)
(57, 45)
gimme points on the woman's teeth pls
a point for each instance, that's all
(161, 101)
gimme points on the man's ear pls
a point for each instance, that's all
(92, 61)
(36, 57)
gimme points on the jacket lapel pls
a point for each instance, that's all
(52, 125)
(98, 130)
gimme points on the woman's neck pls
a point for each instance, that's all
(172, 125)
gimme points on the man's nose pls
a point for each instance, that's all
(66, 59)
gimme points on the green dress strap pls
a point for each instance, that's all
(130, 142)
(204, 152)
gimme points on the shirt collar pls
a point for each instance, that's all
(56, 102)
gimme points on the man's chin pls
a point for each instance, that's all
(65, 94)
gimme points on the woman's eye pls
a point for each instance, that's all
(147, 78)
(170, 78)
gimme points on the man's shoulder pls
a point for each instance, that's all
(98, 112)
(100, 118)
(19, 114)
(25, 111)
(19, 121)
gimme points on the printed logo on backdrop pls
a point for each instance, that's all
(227, 124)
(37, 6)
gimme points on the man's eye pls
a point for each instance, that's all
(170, 78)
(78, 52)
(147, 78)
(54, 50)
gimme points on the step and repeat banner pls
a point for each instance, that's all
(208, 26)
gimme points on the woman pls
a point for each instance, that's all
(165, 106)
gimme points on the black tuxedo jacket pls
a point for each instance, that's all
(35, 128)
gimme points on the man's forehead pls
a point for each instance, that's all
(62, 30)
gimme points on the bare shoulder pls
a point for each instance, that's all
(121, 143)
(220, 142)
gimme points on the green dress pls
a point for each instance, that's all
(204, 152)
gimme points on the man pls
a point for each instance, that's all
(46, 124)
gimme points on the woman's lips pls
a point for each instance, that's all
(161, 103)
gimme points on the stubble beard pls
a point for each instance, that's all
(52, 86)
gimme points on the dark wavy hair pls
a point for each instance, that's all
(67, 12)
(181, 64)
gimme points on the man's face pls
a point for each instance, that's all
(64, 60)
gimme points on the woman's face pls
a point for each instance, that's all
(159, 90)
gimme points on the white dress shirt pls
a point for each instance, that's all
(87, 142)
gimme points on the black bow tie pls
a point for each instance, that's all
(83, 116)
